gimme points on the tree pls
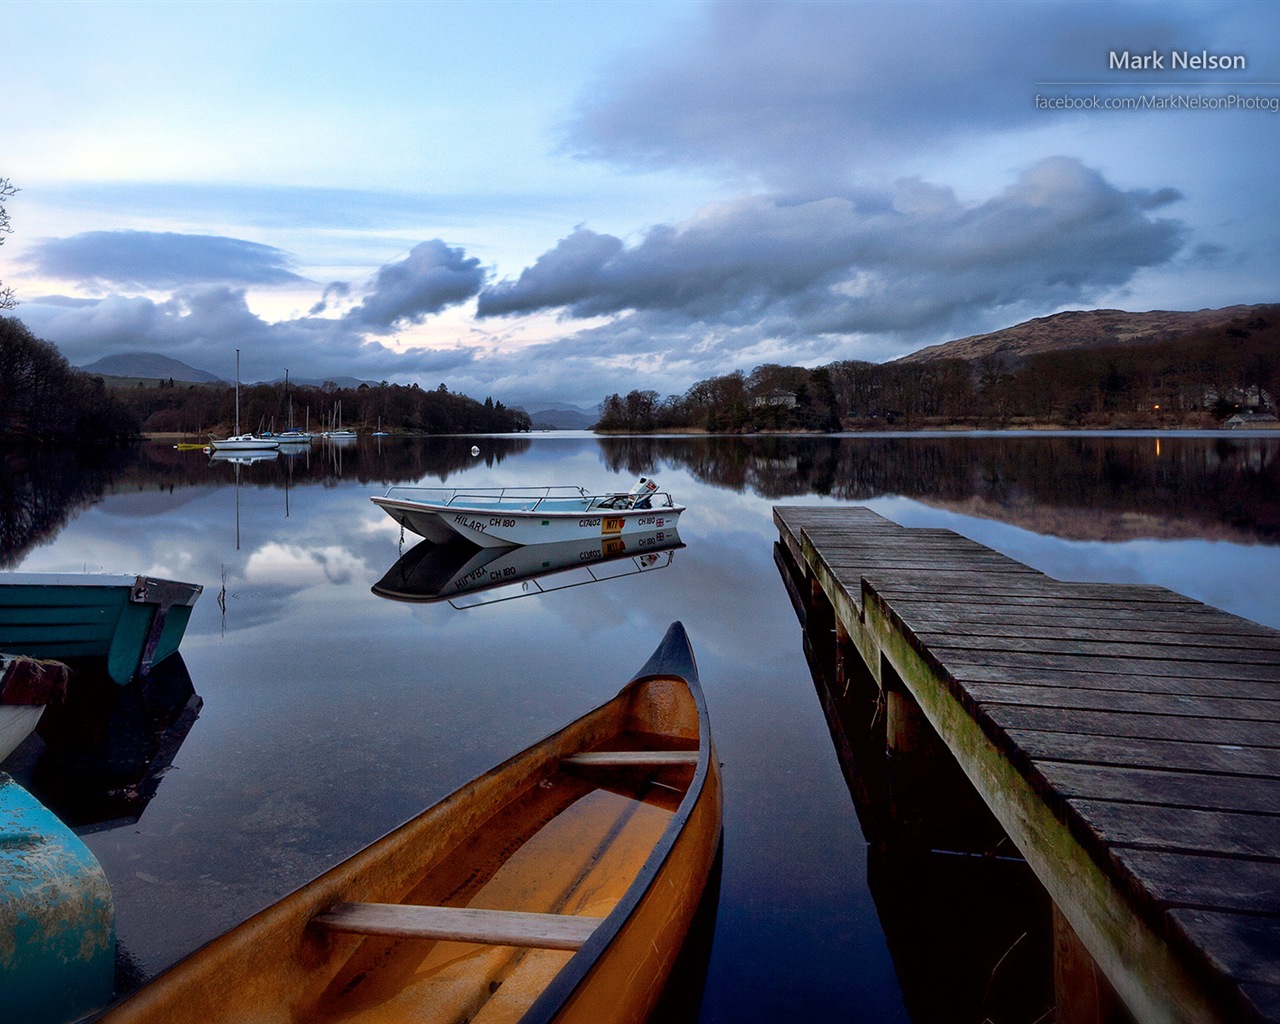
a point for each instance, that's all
(7, 190)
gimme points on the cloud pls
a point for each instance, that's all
(797, 93)
(432, 277)
(912, 258)
(155, 260)
(201, 326)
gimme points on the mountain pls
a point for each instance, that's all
(561, 419)
(149, 365)
(1082, 329)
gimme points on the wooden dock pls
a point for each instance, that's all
(1127, 739)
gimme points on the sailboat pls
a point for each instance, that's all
(239, 442)
(293, 435)
(337, 433)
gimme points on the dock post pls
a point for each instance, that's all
(1081, 991)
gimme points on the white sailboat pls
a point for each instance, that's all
(239, 442)
(293, 436)
(337, 433)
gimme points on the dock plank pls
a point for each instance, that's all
(1172, 755)
(1170, 789)
(1225, 833)
(1122, 724)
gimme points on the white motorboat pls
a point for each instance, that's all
(494, 517)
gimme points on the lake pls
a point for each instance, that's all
(328, 714)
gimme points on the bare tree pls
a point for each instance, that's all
(7, 191)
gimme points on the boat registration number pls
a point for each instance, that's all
(611, 524)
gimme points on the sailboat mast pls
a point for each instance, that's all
(237, 392)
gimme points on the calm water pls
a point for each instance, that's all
(331, 714)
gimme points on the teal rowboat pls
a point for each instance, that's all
(58, 946)
(133, 622)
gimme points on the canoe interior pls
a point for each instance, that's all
(537, 834)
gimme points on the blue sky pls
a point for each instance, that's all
(555, 201)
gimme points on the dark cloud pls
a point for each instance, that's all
(912, 259)
(150, 260)
(809, 93)
(202, 326)
(432, 277)
(333, 290)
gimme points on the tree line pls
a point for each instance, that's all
(46, 400)
(1196, 380)
(202, 409)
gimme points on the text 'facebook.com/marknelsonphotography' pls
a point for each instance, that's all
(1164, 101)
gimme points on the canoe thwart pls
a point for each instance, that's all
(460, 924)
(633, 758)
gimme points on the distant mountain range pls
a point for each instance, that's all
(1077, 329)
(151, 366)
(1083, 329)
(562, 419)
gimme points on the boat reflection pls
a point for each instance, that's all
(98, 756)
(466, 575)
(245, 458)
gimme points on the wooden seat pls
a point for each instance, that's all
(633, 758)
(460, 924)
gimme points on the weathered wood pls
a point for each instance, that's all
(1127, 738)
(1119, 723)
(1182, 829)
(1172, 789)
(460, 924)
(1184, 623)
(1173, 755)
(1008, 641)
(1089, 692)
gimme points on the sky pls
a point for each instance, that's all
(550, 202)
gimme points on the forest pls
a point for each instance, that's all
(45, 400)
(1196, 380)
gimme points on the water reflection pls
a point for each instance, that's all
(1086, 487)
(467, 576)
(99, 755)
(330, 715)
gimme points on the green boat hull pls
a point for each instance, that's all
(130, 622)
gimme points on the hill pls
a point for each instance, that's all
(1083, 329)
(562, 419)
(149, 366)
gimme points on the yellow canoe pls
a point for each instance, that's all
(557, 887)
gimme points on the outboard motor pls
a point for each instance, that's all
(640, 494)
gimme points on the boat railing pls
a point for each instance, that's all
(535, 496)
(567, 579)
(461, 496)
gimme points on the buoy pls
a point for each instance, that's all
(475, 449)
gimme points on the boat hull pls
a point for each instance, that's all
(495, 526)
(26, 686)
(17, 722)
(242, 443)
(133, 622)
(58, 961)
(626, 855)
